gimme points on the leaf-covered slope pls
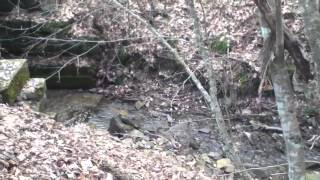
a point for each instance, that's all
(33, 145)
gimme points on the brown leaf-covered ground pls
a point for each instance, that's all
(34, 146)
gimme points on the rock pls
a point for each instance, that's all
(138, 134)
(226, 165)
(139, 104)
(131, 121)
(205, 130)
(170, 119)
(117, 127)
(182, 132)
(259, 174)
(123, 114)
(215, 155)
(34, 89)
(14, 74)
(34, 93)
(195, 144)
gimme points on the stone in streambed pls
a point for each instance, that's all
(34, 93)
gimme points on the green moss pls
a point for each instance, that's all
(10, 94)
(220, 45)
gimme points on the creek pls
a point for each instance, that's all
(188, 133)
(190, 130)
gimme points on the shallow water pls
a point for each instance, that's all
(106, 110)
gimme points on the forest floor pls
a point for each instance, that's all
(255, 128)
(33, 145)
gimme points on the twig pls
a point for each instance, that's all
(266, 127)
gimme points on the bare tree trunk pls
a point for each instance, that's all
(312, 28)
(286, 104)
(214, 105)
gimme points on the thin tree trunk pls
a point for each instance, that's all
(312, 28)
(214, 105)
(291, 43)
(179, 59)
(286, 104)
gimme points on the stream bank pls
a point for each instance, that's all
(187, 133)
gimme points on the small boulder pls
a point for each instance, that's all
(118, 127)
(34, 93)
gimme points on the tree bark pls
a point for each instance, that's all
(214, 104)
(312, 29)
(286, 104)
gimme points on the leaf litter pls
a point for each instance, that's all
(33, 146)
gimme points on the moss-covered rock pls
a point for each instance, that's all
(14, 73)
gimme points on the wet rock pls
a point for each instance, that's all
(195, 144)
(211, 145)
(118, 127)
(14, 73)
(131, 121)
(153, 124)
